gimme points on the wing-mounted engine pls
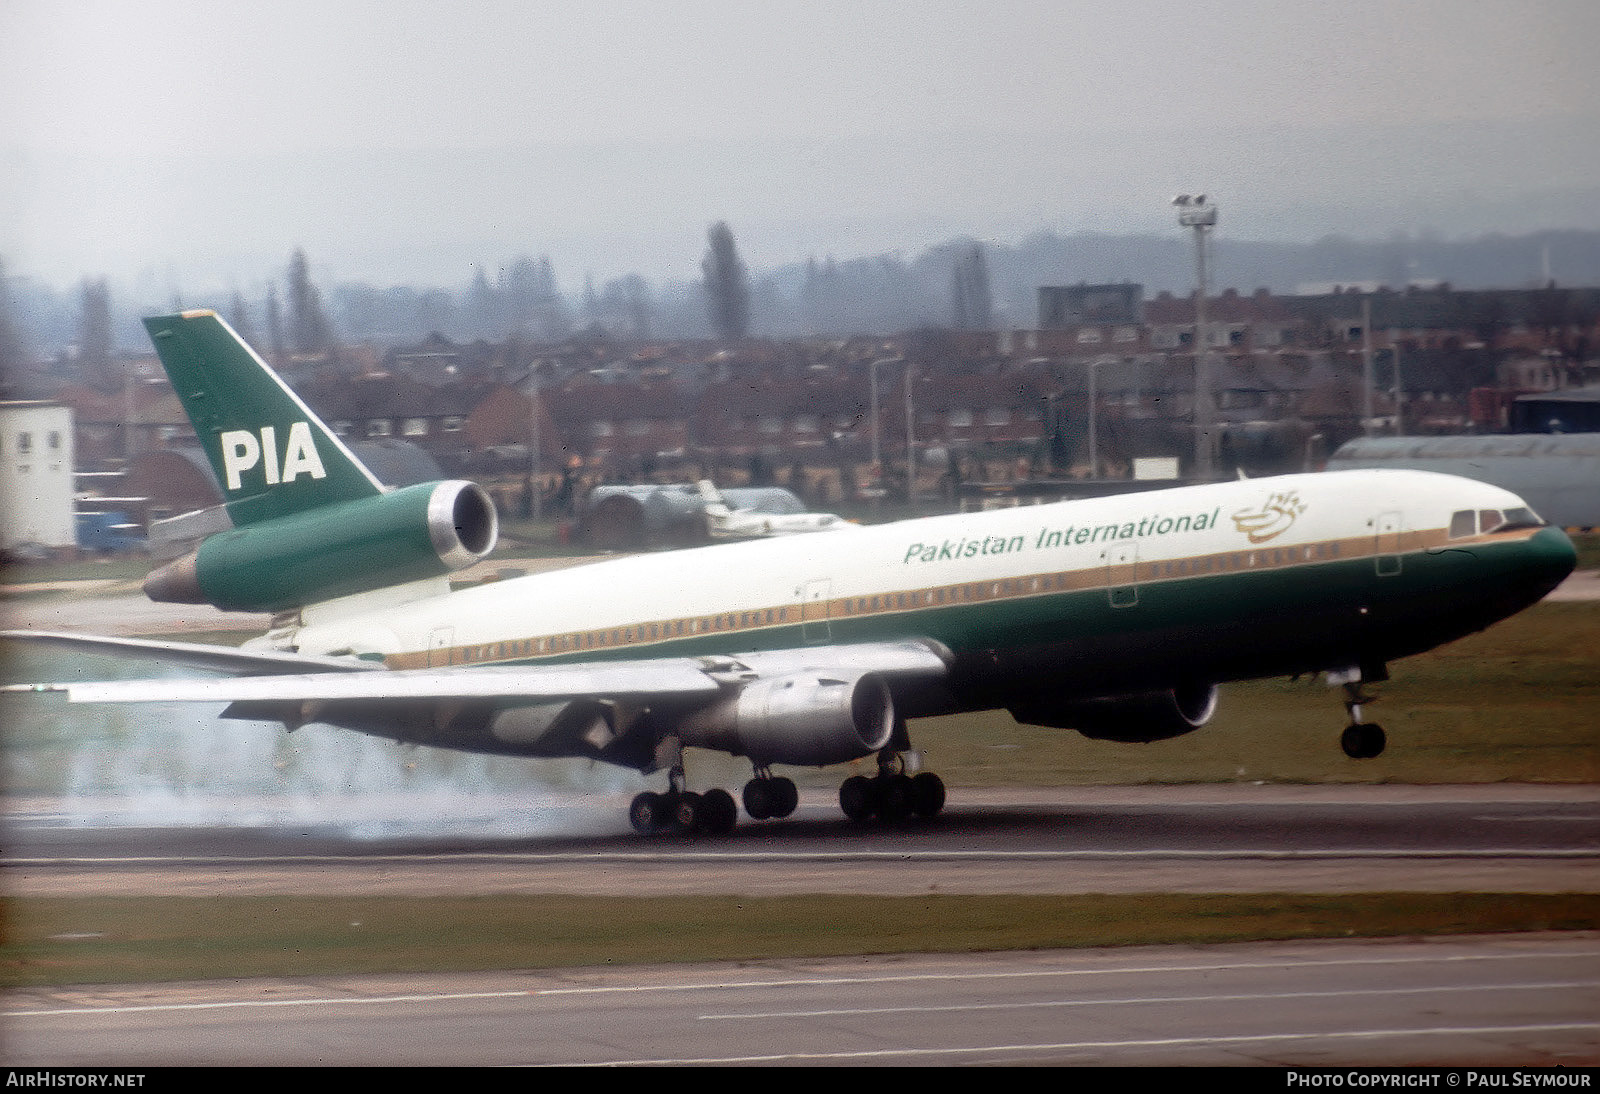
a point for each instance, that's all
(809, 719)
(334, 550)
(1131, 719)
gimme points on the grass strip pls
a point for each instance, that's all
(148, 939)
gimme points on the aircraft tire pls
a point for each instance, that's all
(758, 799)
(717, 814)
(647, 814)
(895, 797)
(1363, 741)
(857, 798)
(927, 794)
(787, 796)
(686, 811)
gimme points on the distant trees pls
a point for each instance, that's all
(971, 303)
(727, 283)
(624, 306)
(95, 339)
(523, 301)
(275, 340)
(531, 302)
(239, 317)
(310, 333)
(11, 351)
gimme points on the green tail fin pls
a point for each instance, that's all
(272, 455)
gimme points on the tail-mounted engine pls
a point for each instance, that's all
(1131, 719)
(809, 719)
(335, 550)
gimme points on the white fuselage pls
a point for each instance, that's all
(648, 601)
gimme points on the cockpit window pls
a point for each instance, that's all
(1519, 517)
(1466, 522)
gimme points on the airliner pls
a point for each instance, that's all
(725, 523)
(1117, 617)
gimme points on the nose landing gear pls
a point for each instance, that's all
(1360, 740)
(1363, 740)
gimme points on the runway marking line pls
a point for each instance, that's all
(1240, 966)
(1082, 1046)
(1145, 1000)
(346, 1000)
(758, 857)
(790, 982)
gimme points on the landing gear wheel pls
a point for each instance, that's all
(648, 813)
(1363, 741)
(766, 797)
(857, 799)
(686, 811)
(927, 794)
(891, 798)
(894, 797)
(758, 799)
(718, 815)
(788, 796)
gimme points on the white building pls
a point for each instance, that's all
(36, 475)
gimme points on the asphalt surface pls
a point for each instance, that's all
(1524, 1001)
(1068, 840)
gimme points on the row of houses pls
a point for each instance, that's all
(1103, 362)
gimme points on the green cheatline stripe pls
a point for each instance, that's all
(979, 614)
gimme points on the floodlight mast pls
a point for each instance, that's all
(1195, 212)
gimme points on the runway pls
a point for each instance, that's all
(1059, 840)
(1510, 1001)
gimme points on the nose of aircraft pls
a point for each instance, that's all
(1552, 557)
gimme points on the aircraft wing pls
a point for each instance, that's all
(192, 655)
(678, 677)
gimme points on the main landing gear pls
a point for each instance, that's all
(711, 812)
(769, 797)
(714, 813)
(891, 795)
(1360, 740)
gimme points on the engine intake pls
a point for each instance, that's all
(807, 719)
(350, 547)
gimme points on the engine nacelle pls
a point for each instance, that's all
(350, 547)
(1131, 719)
(809, 719)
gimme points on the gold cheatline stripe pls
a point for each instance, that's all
(987, 590)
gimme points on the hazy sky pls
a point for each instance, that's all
(187, 145)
